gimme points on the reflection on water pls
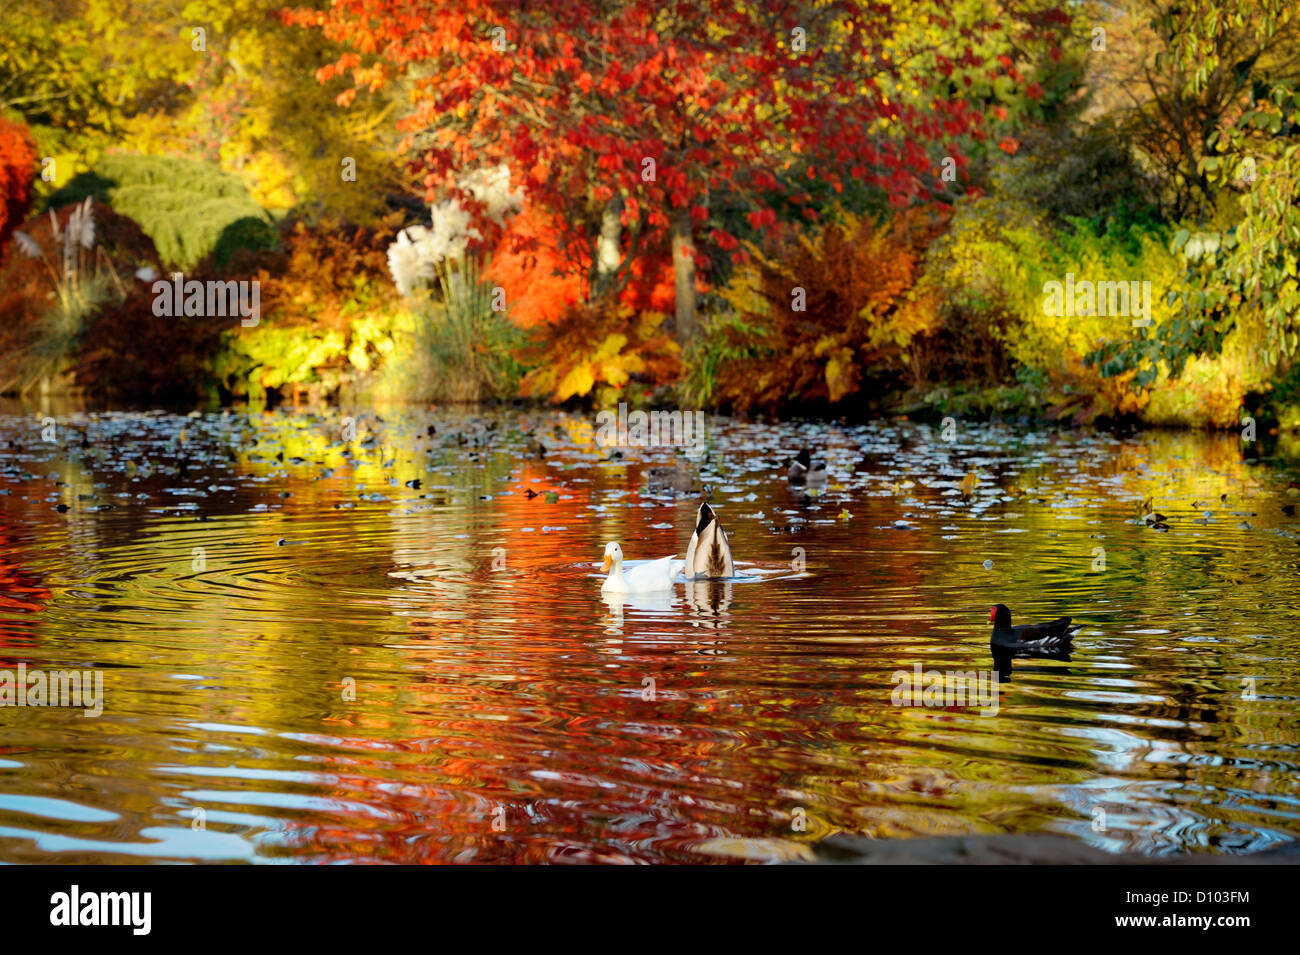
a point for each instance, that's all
(396, 649)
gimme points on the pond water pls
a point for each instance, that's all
(395, 648)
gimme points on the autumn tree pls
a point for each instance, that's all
(627, 116)
(1242, 264)
(17, 168)
(1171, 103)
(224, 80)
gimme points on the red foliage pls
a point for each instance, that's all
(577, 97)
(17, 170)
(130, 354)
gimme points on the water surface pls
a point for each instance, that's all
(387, 649)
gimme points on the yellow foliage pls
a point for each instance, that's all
(627, 345)
(992, 270)
(1211, 390)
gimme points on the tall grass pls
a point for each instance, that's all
(462, 349)
(83, 279)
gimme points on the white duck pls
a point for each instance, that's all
(708, 555)
(658, 574)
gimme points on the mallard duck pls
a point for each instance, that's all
(805, 470)
(709, 600)
(708, 555)
(658, 574)
(671, 478)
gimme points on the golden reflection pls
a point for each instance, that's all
(338, 663)
(709, 601)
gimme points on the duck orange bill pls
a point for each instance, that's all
(609, 561)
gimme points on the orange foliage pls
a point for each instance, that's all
(319, 271)
(543, 287)
(862, 311)
(17, 169)
(579, 346)
(540, 286)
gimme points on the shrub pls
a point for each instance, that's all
(990, 269)
(1086, 173)
(724, 339)
(329, 315)
(863, 312)
(188, 208)
(457, 349)
(1207, 394)
(129, 354)
(17, 169)
(51, 288)
(611, 352)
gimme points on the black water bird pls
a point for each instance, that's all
(1054, 634)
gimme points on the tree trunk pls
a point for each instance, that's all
(608, 253)
(684, 275)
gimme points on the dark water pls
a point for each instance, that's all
(354, 669)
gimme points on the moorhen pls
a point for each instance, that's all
(1055, 634)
